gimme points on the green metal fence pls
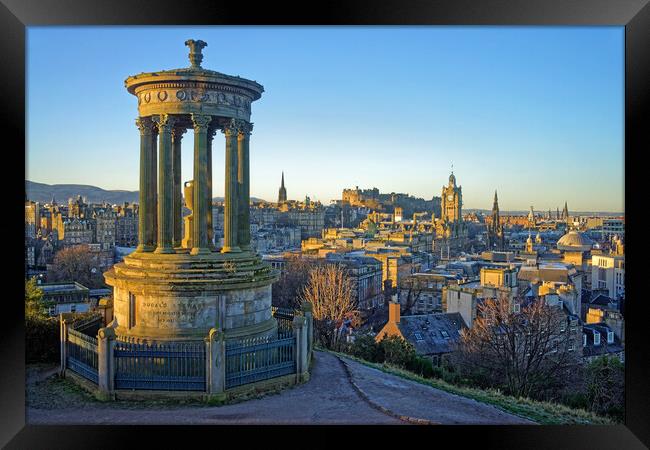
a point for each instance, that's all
(251, 360)
(171, 367)
(81, 351)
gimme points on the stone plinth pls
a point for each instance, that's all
(175, 297)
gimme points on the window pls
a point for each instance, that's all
(584, 340)
(517, 307)
(418, 336)
(596, 338)
(131, 310)
(610, 337)
(444, 334)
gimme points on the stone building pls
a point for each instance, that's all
(366, 276)
(77, 231)
(126, 231)
(376, 201)
(433, 335)
(608, 271)
(32, 218)
(275, 238)
(495, 282)
(105, 227)
(451, 231)
(66, 297)
(598, 339)
(78, 208)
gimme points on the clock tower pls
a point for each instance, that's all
(452, 201)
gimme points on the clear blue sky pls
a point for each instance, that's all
(535, 112)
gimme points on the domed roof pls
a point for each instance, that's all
(575, 241)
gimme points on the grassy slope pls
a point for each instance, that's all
(544, 413)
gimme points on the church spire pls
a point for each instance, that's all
(282, 194)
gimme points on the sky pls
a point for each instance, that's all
(536, 113)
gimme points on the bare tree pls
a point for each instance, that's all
(413, 286)
(287, 290)
(524, 352)
(329, 290)
(78, 264)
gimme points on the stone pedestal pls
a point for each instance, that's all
(175, 297)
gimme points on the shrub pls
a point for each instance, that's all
(365, 347)
(42, 339)
(605, 380)
(397, 351)
(421, 366)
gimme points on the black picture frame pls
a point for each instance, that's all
(634, 15)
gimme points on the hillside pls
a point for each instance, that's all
(43, 193)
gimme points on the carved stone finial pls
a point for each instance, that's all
(195, 52)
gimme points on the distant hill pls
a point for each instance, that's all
(43, 193)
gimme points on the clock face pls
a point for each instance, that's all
(450, 197)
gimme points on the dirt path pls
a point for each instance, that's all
(334, 395)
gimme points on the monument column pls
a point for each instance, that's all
(230, 201)
(145, 244)
(211, 133)
(177, 197)
(152, 192)
(199, 223)
(165, 123)
(243, 186)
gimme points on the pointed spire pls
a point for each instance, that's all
(282, 194)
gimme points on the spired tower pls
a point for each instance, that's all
(178, 285)
(452, 201)
(282, 195)
(495, 233)
(565, 213)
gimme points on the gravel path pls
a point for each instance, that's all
(334, 395)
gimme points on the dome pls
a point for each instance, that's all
(574, 241)
(452, 179)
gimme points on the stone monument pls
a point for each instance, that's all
(177, 285)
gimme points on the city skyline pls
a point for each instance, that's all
(556, 153)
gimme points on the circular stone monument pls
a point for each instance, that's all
(178, 284)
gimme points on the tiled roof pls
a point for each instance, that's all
(603, 348)
(432, 333)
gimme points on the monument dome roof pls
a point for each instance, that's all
(194, 76)
(575, 241)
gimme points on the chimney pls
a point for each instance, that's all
(393, 312)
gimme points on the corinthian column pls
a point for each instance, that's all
(200, 206)
(165, 123)
(177, 197)
(145, 226)
(243, 186)
(211, 132)
(152, 193)
(230, 202)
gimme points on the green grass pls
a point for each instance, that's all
(544, 413)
